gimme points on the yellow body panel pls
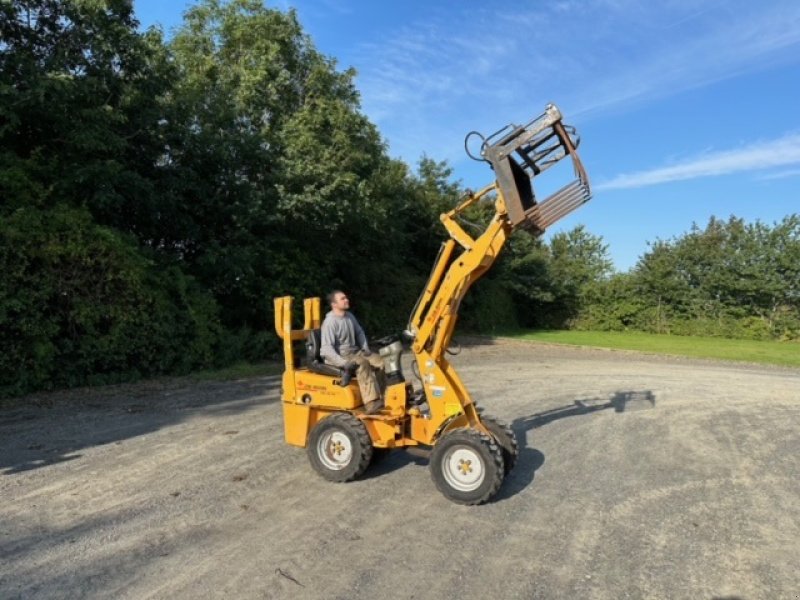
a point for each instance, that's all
(421, 428)
(318, 390)
(394, 398)
(298, 420)
(296, 423)
(385, 431)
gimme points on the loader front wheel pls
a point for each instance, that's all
(467, 466)
(339, 447)
(505, 438)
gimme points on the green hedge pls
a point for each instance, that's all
(79, 305)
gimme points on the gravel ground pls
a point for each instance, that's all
(639, 477)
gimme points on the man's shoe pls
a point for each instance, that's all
(373, 407)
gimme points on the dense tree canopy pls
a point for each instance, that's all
(731, 278)
(155, 195)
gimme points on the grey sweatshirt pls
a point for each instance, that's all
(341, 336)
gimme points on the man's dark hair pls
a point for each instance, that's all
(332, 296)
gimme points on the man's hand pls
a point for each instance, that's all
(348, 370)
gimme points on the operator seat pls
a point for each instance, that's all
(317, 365)
(314, 360)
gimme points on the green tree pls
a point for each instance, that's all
(78, 107)
(81, 299)
(730, 278)
(613, 304)
(285, 180)
(579, 263)
(80, 304)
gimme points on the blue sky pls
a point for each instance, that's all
(685, 109)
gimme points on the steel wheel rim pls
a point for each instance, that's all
(335, 450)
(463, 469)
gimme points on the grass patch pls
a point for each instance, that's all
(772, 352)
(240, 370)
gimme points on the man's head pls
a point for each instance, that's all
(339, 301)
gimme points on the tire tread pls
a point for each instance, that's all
(495, 471)
(509, 444)
(362, 447)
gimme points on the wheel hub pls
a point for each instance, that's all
(335, 450)
(463, 469)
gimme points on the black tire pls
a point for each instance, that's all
(467, 466)
(339, 447)
(505, 438)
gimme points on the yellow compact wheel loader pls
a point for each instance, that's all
(471, 452)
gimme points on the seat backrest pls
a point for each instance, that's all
(313, 346)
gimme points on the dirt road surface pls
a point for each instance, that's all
(639, 477)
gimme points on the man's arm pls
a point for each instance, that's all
(361, 337)
(328, 348)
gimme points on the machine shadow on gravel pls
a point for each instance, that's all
(530, 459)
(383, 464)
(57, 428)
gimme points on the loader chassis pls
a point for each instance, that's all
(471, 453)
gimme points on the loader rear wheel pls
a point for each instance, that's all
(467, 466)
(505, 438)
(339, 447)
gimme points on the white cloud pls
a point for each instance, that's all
(431, 81)
(694, 50)
(780, 175)
(759, 156)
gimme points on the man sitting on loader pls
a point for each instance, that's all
(344, 344)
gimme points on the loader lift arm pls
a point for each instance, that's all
(517, 154)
